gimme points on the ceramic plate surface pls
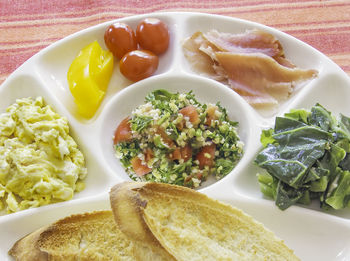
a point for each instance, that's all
(312, 233)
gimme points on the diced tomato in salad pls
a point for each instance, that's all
(206, 156)
(167, 140)
(123, 131)
(211, 116)
(149, 155)
(189, 111)
(184, 153)
(139, 167)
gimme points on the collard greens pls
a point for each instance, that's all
(307, 156)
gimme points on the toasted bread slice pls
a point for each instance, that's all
(125, 206)
(191, 226)
(89, 236)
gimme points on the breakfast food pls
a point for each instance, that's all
(152, 34)
(152, 38)
(173, 138)
(120, 39)
(40, 162)
(137, 65)
(144, 226)
(45, 75)
(88, 78)
(88, 236)
(191, 226)
(252, 63)
(307, 156)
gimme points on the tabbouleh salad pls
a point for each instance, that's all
(173, 138)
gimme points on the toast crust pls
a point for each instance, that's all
(87, 236)
(127, 207)
(27, 248)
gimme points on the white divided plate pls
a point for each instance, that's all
(312, 233)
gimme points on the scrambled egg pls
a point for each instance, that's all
(40, 162)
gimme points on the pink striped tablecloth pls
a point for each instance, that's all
(26, 27)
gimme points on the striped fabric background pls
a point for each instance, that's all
(26, 27)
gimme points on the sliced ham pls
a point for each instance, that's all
(252, 63)
(200, 62)
(253, 41)
(256, 74)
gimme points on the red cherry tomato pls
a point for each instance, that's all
(137, 65)
(120, 39)
(153, 35)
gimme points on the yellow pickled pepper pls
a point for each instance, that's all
(88, 78)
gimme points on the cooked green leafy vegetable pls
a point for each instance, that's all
(306, 156)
